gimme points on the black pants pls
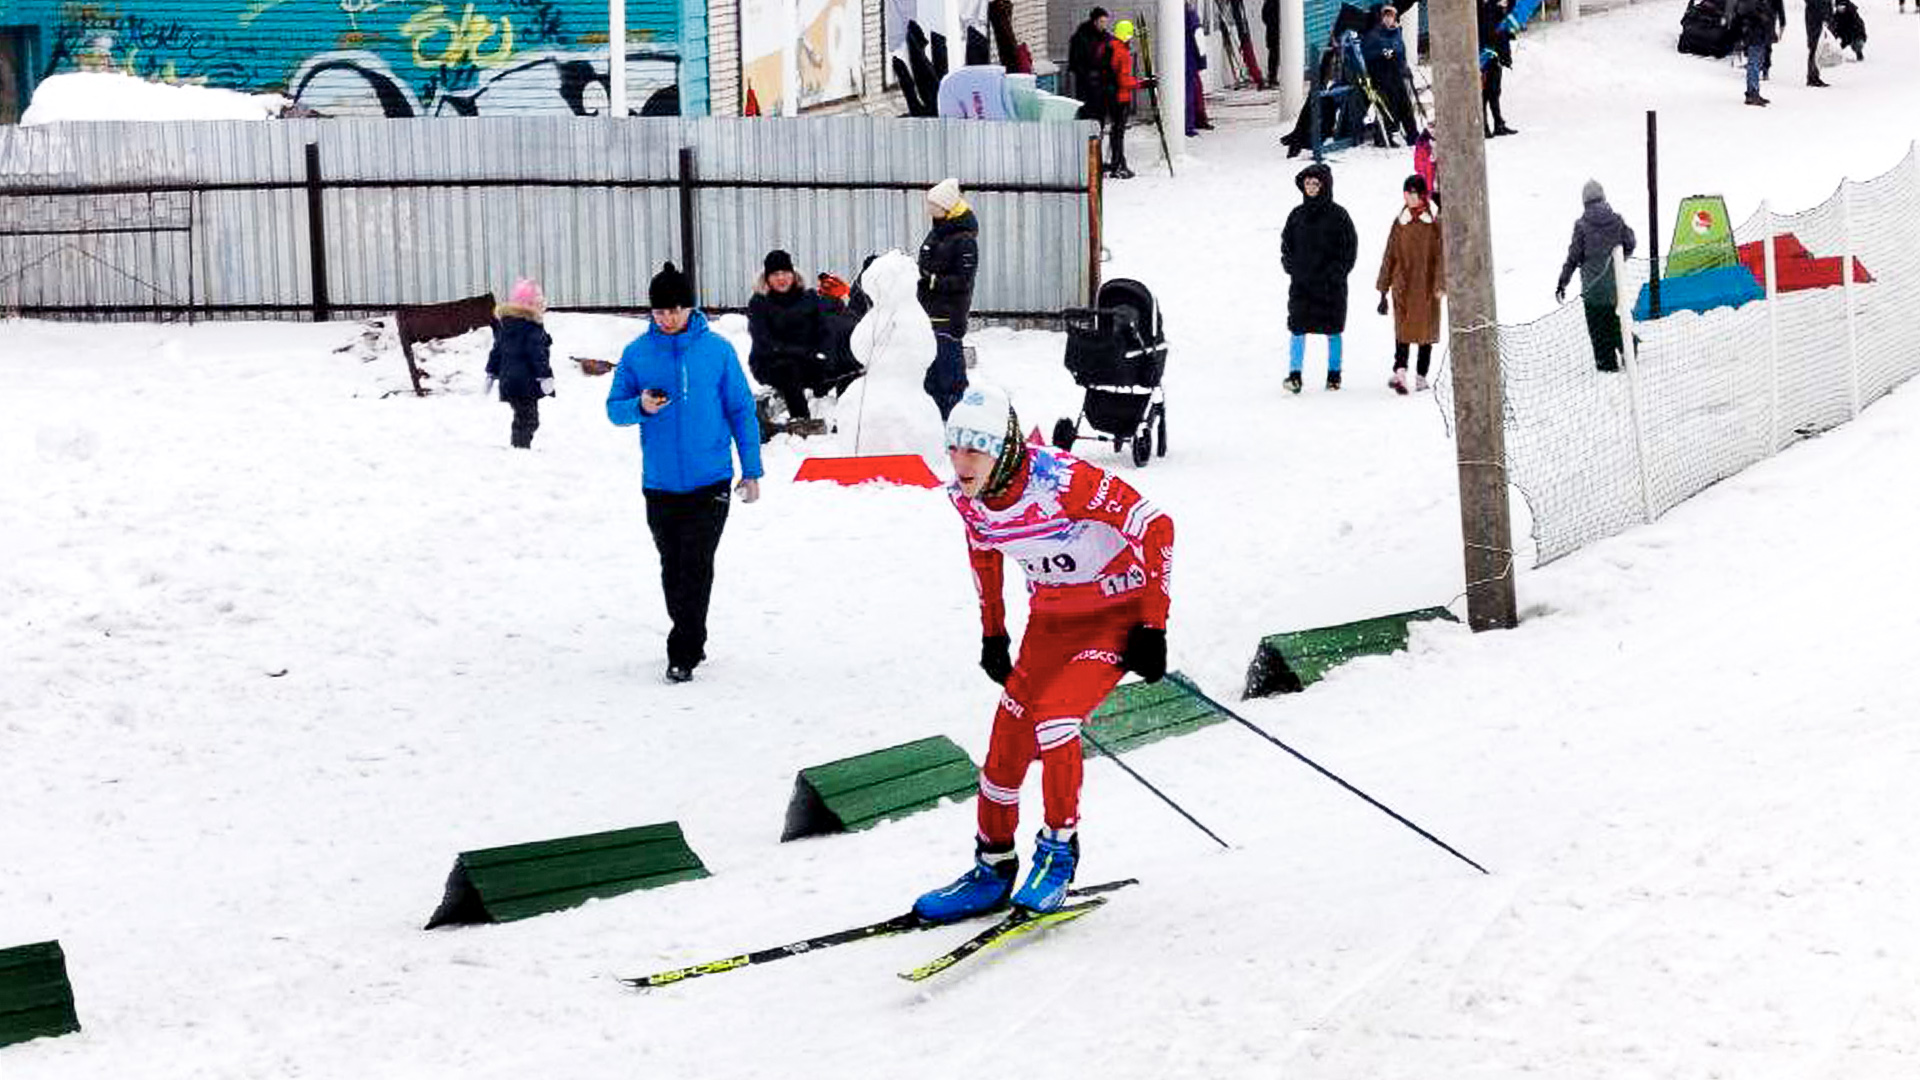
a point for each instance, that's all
(1603, 329)
(946, 377)
(789, 376)
(1490, 93)
(1391, 85)
(1117, 135)
(526, 420)
(686, 527)
(1400, 357)
(1817, 16)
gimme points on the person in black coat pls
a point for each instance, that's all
(1758, 23)
(1384, 49)
(520, 362)
(1087, 67)
(1818, 12)
(1496, 55)
(789, 329)
(1317, 250)
(949, 259)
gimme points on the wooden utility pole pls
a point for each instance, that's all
(1473, 330)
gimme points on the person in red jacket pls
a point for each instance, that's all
(1098, 559)
(1120, 59)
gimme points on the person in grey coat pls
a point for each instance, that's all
(1598, 231)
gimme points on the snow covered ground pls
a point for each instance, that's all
(277, 647)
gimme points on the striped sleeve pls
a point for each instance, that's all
(1101, 496)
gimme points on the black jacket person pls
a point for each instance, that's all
(949, 259)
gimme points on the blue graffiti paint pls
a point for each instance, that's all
(381, 57)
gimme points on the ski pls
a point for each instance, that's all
(1153, 89)
(1018, 923)
(899, 924)
(1239, 12)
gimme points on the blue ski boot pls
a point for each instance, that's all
(980, 890)
(1054, 858)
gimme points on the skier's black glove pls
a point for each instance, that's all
(1146, 653)
(1382, 309)
(1560, 295)
(996, 658)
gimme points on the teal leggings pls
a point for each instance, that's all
(1297, 352)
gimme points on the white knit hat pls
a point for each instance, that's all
(979, 420)
(945, 195)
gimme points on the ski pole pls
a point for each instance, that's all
(1188, 684)
(1115, 758)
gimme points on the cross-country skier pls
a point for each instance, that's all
(1098, 559)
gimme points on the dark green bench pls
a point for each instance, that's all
(858, 792)
(1289, 663)
(35, 998)
(1138, 713)
(506, 883)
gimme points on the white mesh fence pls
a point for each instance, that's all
(1702, 395)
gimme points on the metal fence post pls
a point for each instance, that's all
(689, 225)
(317, 236)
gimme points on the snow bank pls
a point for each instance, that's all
(105, 95)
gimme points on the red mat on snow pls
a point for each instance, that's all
(1795, 268)
(886, 468)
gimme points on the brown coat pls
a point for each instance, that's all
(1414, 270)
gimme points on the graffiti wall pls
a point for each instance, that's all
(392, 58)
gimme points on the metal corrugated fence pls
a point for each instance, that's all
(212, 218)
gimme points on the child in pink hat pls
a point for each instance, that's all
(520, 361)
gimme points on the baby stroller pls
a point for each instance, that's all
(1117, 351)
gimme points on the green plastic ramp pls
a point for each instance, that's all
(515, 882)
(856, 792)
(1289, 663)
(1702, 236)
(35, 998)
(1138, 713)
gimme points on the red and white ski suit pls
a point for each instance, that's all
(1098, 559)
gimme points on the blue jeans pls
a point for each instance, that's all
(1756, 56)
(946, 377)
(1297, 353)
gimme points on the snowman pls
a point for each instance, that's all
(886, 411)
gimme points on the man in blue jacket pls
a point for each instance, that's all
(682, 384)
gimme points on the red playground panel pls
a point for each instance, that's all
(908, 469)
(1795, 268)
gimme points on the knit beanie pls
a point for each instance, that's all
(526, 293)
(670, 289)
(1592, 192)
(944, 196)
(1417, 184)
(777, 261)
(983, 420)
(1123, 29)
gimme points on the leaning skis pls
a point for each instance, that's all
(1153, 89)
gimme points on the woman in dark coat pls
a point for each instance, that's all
(788, 325)
(949, 261)
(1317, 250)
